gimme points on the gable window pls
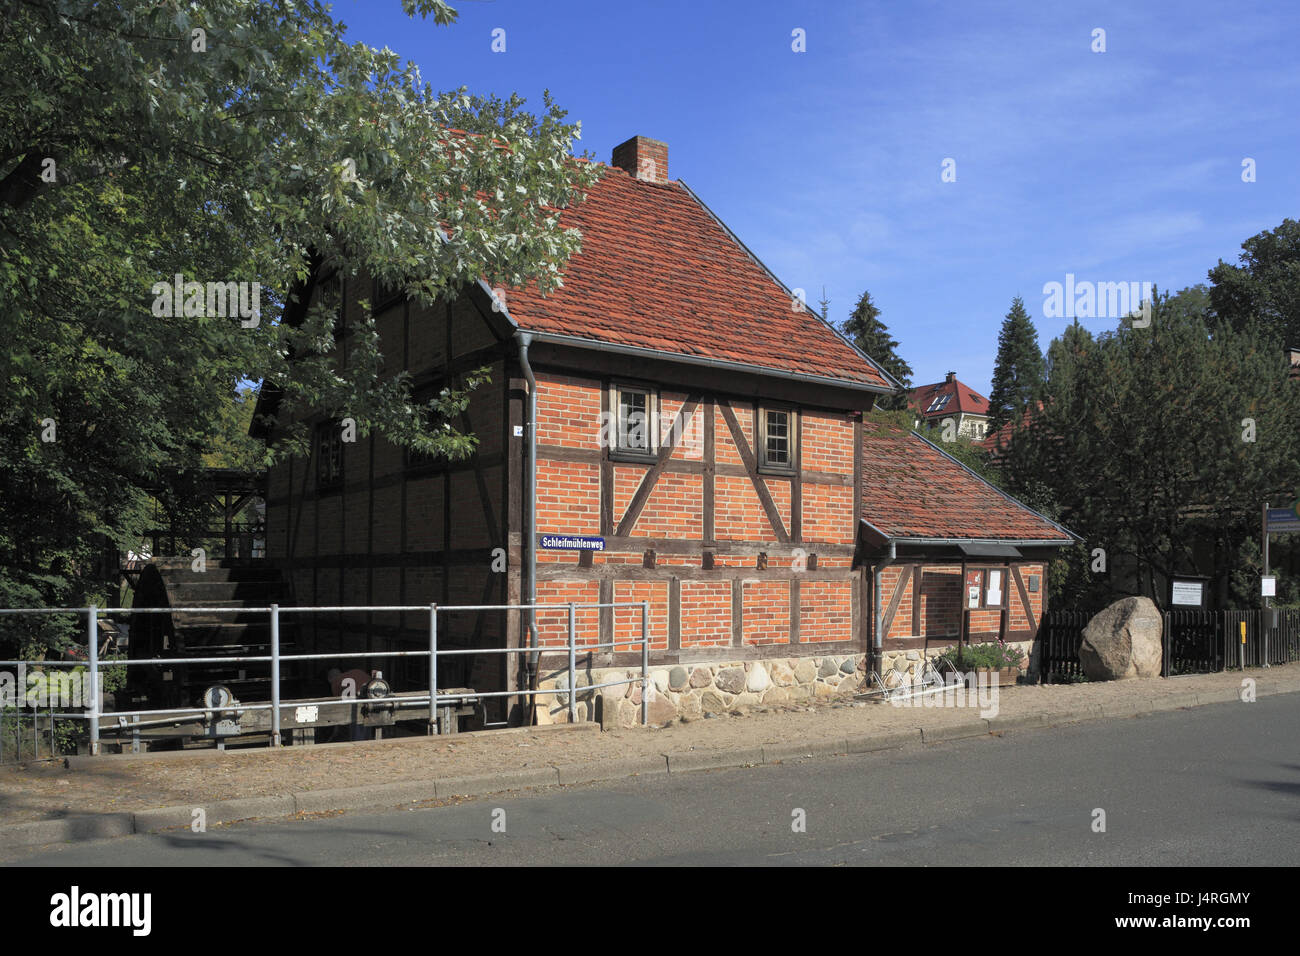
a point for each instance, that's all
(329, 455)
(633, 434)
(776, 439)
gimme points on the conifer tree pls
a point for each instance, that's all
(864, 328)
(1019, 372)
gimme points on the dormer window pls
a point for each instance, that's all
(776, 439)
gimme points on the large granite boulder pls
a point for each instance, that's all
(1123, 641)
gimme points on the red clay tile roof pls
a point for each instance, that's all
(963, 399)
(911, 489)
(658, 271)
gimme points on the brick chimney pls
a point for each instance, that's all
(644, 158)
(951, 376)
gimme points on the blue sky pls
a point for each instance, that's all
(1119, 166)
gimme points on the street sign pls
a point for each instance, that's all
(1268, 586)
(1281, 519)
(572, 542)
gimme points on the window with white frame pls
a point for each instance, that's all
(777, 438)
(635, 414)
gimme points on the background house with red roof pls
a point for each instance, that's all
(951, 399)
(688, 434)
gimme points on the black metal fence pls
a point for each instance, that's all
(1195, 642)
(1058, 644)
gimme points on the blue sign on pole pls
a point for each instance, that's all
(1281, 519)
(572, 542)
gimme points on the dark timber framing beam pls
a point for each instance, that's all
(650, 478)
(751, 467)
(896, 600)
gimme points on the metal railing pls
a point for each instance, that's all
(93, 712)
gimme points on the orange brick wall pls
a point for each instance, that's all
(569, 495)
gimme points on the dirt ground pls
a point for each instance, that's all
(48, 790)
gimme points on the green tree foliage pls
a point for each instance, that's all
(865, 330)
(232, 446)
(1265, 287)
(1158, 445)
(232, 141)
(1018, 372)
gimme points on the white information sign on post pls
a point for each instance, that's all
(993, 595)
(1268, 586)
(1187, 593)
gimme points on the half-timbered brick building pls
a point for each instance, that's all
(671, 425)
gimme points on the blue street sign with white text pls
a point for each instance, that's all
(1281, 519)
(572, 542)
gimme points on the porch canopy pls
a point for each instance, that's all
(952, 557)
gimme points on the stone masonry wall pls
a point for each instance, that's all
(693, 690)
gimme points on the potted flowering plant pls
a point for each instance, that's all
(994, 656)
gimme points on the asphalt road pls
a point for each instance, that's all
(1215, 785)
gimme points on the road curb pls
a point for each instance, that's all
(972, 728)
(116, 824)
(686, 761)
(998, 725)
(871, 743)
(364, 798)
(794, 749)
(479, 784)
(90, 826)
(219, 811)
(611, 769)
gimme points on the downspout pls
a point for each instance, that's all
(878, 639)
(530, 516)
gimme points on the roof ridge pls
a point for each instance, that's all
(788, 291)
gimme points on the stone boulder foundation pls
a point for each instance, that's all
(1123, 641)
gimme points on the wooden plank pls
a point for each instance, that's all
(648, 481)
(737, 612)
(917, 578)
(709, 655)
(710, 468)
(896, 599)
(963, 620)
(794, 610)
(796, 483)
(855, 605)
(606, 614)
(606, 468)
(1024, 598)
(751, 468)
(674, 613)
(555, 571)
(683, 466)
(1006, 602)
